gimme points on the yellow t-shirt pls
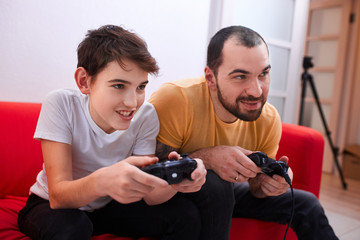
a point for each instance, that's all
(188, 121)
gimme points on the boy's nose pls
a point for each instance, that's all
(130, 100)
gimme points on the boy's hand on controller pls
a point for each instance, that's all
(198, 177)
(125, 182)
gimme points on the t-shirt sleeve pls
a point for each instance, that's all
(172, 108)
(146, 139)
(53, 123)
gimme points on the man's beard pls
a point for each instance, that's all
(251, 115)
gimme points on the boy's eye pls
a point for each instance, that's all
(118, 86)
(142, 87)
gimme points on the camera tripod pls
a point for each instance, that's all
(307, 77)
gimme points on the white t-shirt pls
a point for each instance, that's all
(65, 118)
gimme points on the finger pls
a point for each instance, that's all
(174, 156)
(247, 168)
(245, 151)
(187, 186)
(150, 180)
(284, 159)
(141, 161)
(200, 170)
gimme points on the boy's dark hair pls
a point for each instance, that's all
(245, 36)
(113, 43)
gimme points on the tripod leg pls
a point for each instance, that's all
(303, 94)
(328, 133)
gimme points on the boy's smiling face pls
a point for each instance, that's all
(115, 94)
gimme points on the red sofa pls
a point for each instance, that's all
(21, 160)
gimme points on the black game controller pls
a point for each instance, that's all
(172, 171)
(269, 166)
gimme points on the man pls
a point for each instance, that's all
(223, 117)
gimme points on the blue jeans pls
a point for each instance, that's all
(176, 219)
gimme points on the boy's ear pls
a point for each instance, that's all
(210, 78)
(82, 80)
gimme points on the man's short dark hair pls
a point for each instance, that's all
(245, 36)
(113, 43)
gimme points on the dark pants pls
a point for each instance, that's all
(177, 219)
(309, 222)
(218, 200)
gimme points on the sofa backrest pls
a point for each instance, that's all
(21, 157)
(20, 154)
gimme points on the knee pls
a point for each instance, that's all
(78, 226)
(189, 214)
(217, 185)
(308, 205)
(307, 200)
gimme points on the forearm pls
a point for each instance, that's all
(207, 155)
(75, 193)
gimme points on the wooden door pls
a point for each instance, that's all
(326, 43)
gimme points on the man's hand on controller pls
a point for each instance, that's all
(230, 163)
(271, 186)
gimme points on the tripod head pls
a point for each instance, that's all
(307, 63)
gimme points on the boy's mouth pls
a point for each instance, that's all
(125, 113)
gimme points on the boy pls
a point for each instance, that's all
(93, 143)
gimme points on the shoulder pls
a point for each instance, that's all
(269, 114)
(64, 102)
(147, 109)
(147, 113)
(172, 94)
(178, 87)
(63, 96)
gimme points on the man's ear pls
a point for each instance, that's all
(210, 78)
(82, 80)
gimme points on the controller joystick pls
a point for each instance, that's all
(172, 171)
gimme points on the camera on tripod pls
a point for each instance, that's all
(307, 63)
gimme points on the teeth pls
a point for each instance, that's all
(125, 113)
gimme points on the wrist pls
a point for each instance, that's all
(98, 181)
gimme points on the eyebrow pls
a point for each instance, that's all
(247, 72)
(125, 81)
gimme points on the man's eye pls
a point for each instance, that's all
(118, 86)
(241, 77)
(264, 74)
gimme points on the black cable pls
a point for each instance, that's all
(288, 180)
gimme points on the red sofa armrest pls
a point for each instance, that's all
(20, 154)
(305, 148)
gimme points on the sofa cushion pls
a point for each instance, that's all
(9, 209)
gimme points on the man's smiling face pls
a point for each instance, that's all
(243, 79)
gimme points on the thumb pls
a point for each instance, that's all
(141, 161)
(284, 159)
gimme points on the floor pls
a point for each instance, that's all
(341, 206)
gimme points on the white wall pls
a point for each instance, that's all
(38, 40)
